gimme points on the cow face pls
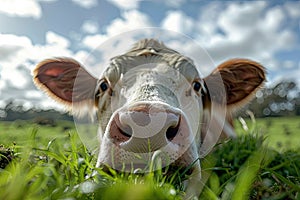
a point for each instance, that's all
(151, 100)
(154, 103)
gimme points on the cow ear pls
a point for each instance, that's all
(241, 79)
(65, 80)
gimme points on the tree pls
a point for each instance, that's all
(282, 99)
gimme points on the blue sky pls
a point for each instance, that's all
(32, 30)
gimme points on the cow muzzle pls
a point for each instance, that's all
(136, 132)
(145, 128)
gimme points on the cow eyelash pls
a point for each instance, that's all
(102, 87)
(199, 87)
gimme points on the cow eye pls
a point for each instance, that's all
(197, 86)
(104, 86)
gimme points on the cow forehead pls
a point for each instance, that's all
(152, 54)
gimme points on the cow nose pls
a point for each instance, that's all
(139, 127)
(145, 125)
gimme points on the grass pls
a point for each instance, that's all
(64, 169)
(52, 163)
(19, 131)
(281, 133)
(246, 169)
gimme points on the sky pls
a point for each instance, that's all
(92, 31)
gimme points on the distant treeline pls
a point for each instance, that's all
(14, 111)
(282, 99)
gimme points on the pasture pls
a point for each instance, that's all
(281, 133)
(50, 162)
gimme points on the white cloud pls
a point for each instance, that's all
(93, 41)
(130, 20)
(21, 56)
(274, 19)
(227, 30)
(178, 21)
(21, 8)
(57, 40)
(134, 4)
(118, 37)
(287, 74)
(33, 94)
(293, 8)
(90, 27)
(86, 3)
(288, 64)
(47, 1)
(125, 4)
(237, 20)
(248, 29)
(174, 3)
(11, 45)
(16, 77)
(18, 57)
(83, 56)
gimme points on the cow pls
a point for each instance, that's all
(151, 101)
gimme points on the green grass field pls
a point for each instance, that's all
(281, 133)
(50, 162)
(19, 131)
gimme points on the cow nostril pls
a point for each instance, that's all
(126, 131)
(172, 132)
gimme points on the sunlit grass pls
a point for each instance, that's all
(63, 168)
(59, 166)
(281, 133)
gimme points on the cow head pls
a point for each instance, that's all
(152, 100)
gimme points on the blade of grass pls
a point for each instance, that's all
(249, 171)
